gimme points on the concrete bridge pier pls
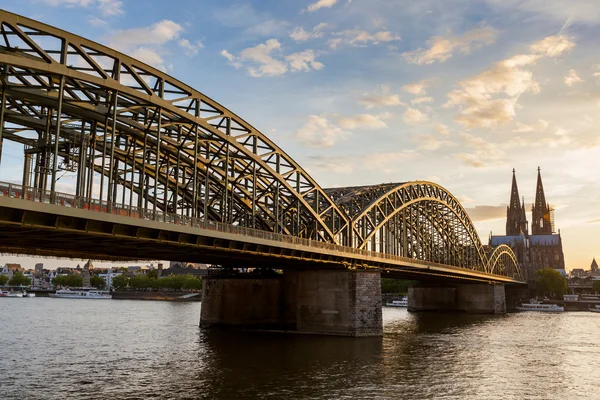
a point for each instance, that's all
(471, 298)
(326, 302)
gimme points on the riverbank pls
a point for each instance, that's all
(162, 296)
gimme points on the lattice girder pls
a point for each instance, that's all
(98, 84)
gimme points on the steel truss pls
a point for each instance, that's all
(122, 132)
(418, 220)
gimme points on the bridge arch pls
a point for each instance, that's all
(147, 138)
(502, 261)
(417, 219)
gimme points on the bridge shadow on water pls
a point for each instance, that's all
(249, 364)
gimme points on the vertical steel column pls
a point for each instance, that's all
(166, 190)
(176, 194)
(254, 151)
(133, 161)
(26, 172)
(3, 106)
(56, 138)
(142, 177)
(104, 148)
(206, 182)
(157, 158)
(91, 161)
(195, 175)
(111, 179)
(81, 163)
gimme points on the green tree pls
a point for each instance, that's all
(395, 286)
(18, 279)
(153, 273)
(596, 286)
(97, 282)
(68, 280)
(3, 280)
(120, 282)
(550, 283)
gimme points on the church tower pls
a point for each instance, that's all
(541, 219)
(516, 222)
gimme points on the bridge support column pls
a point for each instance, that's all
(471, 298)
(481, 298)
(431, 298)
(326, 302)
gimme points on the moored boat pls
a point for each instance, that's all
(81, 294)
(540, 307)
(595, 309)
(398, 303)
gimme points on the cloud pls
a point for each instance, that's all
(321, 4)
(338, 165)
(191, 49)
(366, 121)
(440, 48)
(356, 37)
(382, 162)
(386, 162)
(489, 99)
(155, 34)
(428, 142)
(538, 126)
(303, 61)
(266, 59)
(485, 153)
(442, 129)
(110, 8)
(422, 99)
(572, 78)
(486, 213)
(319, 132)
(552, 46)
(417, 88)
(414, 116)
(231, 58)
(269, 27)
(97, 22)
(149, 44)
(380, 98)
(300, 35)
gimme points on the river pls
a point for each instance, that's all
(110, 349)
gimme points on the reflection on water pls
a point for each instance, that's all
(59, 348)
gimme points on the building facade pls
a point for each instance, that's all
(543, 247)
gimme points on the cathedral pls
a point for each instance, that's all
(540, 249)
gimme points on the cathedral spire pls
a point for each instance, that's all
(513, 211)
(540, 224)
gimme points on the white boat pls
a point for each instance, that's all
(10, 294)
(595, 309)
(25, 294)
(398, 303)
(534, 306)
(81, 294)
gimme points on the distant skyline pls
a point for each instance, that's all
(364, 92)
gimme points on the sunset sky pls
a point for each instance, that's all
(369, 91)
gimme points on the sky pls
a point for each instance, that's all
(363, 92)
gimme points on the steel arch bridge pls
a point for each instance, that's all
(125, 134)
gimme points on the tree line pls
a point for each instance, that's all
(176, 282)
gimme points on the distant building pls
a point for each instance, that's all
(10, 269)
(181, 268)
(541, 249)
(39, 267)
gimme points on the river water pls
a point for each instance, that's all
(109, 349)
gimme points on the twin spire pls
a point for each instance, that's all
(516, 220)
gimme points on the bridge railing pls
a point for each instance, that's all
(72, 201)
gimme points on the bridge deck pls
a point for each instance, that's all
(100, 232)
